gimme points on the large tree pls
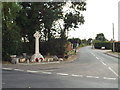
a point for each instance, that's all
(11, 39)
(22, 22)
(40, 17)
(43, 15)
(100, 37)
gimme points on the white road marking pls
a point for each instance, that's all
(109, 78)
(93, 54)
(95, 77)
(65, 74)
(74, 75)
(92, 77)
(32, 71)
(7, 68)
(103, 63)
(100, 60)
(113, 71)
(18, 69)
(97, 58)
(46, 72)
(89, 76)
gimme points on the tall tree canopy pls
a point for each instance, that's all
(100, 37)
(21, 20)
(10, 31)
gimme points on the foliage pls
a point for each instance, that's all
(100, 37)
(21, 20)
(101, 41)
(56, 47)
(75, 41)
(98, 44)
(89, 41)
(11, 33)
(44, 15)
(117, 46)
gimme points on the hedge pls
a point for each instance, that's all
(117, 46)
(100, 44)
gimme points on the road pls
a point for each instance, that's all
(92, 69)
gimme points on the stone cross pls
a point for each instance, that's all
(37, 54)
(37, 36)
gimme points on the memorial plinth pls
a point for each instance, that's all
(37, 57)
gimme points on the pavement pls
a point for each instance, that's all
(112, 54)
(91, 69)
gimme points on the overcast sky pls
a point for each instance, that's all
(99, 17)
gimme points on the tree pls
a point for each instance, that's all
(75, 42)
(100, 37)
(21, 20)
(11, 36)
(89, 41)
(44, 15)
(72, 19)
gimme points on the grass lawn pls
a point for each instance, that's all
(117, 53)
(72, 52)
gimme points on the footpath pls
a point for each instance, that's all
(110, 53)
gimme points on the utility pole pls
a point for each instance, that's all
(113, 39)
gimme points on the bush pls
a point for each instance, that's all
(99, 44)
(54, 47)
(117, 47)
(11, 43)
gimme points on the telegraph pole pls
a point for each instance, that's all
(113, 39)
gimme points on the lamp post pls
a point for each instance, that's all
(113, 39)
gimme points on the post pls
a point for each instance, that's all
(119, 36)
(113, 39)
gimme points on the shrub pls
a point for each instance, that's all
(99, 44)
(117, 46)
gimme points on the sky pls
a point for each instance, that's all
(99, 16)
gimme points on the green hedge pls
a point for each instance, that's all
(117, 47)
(99, 44)
(54, 47)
